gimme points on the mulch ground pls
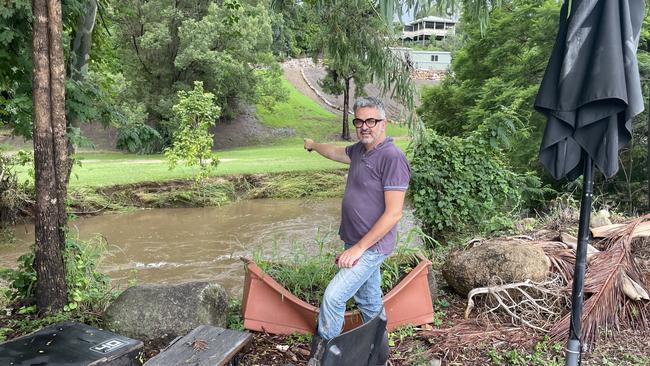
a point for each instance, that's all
(454, 342)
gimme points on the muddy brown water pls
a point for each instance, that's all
(191, 244)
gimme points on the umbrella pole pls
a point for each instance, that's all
(573, 347)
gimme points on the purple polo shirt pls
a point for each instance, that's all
(383, 168)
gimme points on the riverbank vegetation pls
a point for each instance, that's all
(210, 192)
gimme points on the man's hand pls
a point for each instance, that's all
(309, 144)
(350, 257)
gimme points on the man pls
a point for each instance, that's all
(372, 205)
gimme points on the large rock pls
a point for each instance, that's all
(153, 311)
(497, 261)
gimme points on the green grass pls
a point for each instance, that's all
(106, 169)
(300, 112)
(309, 119)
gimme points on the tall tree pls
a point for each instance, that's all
(50, 154)
(355, 41)
(167, 45)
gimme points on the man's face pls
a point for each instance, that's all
(370, 136)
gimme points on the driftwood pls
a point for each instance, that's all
(533, 304)
(640, 230)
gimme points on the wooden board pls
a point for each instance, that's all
(204, 346)
(642, 230)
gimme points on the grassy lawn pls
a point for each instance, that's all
(300, 112)
(105, 169)
(309, 119)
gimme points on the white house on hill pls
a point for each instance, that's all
(424, 29)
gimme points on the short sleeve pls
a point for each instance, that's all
(348, 150)
(396, 172)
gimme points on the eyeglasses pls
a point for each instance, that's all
(370, 122)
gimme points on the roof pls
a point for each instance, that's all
(433, 19)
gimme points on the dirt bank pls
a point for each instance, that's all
(302, 73)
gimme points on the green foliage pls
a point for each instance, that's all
(304, 274)
(8, 191)
(542, 354)
(196, 195)
(192, 141)
(360, 50)
(88, 290)
(22, 281)
(16, 66)
(134, 135)
(166, 46)
(32, 323)
(460, 182)
(439, 314)
(495, 80)
(300, 185)
(399, 264)
(235, 320)
(401, 333)
(85, 100)
(347, 42)
(308, 271)
(295, 26)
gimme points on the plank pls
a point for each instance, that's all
(205, 345)
(642, 230)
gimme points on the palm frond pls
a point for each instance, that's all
(607, 307)
(562, 258)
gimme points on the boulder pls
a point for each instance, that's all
(483, 265)
(149, 312)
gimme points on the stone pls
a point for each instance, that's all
(494, 263)
(150, 311)
(600, 218)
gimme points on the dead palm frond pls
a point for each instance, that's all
(561, 256)
(608, 273)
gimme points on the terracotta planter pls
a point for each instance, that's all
(269, 307)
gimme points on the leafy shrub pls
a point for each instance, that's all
(196, 112)
(8, 187)
(88, 289)
(458, 182)
(13, 194)
(134, 135)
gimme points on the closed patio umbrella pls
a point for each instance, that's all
(590, 92)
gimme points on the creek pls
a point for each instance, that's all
(192, 244)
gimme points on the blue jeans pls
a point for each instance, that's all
(363, 281)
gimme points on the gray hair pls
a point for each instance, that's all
(370, 102)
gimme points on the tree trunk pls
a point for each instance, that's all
(80, 54)
(49, 155)
(345, 134)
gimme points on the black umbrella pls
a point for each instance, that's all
(590, 92)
